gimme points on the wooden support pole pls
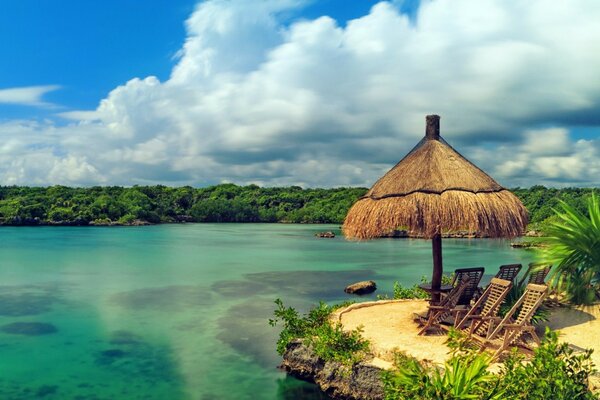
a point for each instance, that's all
(436, 279)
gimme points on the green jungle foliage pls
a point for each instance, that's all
(574, 247)
(161, 204)
(329, 341)
(63, 205)
(554, 372)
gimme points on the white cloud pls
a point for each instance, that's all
(547, 156)
(27, 96)
(315, 103)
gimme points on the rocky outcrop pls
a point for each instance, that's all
(364, 287)
(399, 233)
(361, 381)
(327, 234)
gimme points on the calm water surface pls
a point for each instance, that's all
(181, 311)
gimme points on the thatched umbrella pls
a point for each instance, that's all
(435, 190)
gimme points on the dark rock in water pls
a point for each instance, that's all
(173, 298)
(240, 288)
(22, 300)
(327, 234)
(361, 381)
(113, 353)
(46, 390)
(364, 287)
(122, 337)
(29, 328)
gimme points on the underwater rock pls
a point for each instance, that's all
(172, 298)
(22, 300)
(122, 337)
(29, 328)
(46, 390)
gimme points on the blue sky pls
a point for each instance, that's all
(90, 47)
(278, 92)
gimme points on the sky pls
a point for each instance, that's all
(313, 93)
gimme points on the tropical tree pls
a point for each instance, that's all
(575, 250)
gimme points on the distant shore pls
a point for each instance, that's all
(144, 205)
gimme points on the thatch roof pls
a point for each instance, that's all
(435, 189)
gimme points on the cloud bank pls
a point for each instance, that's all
(26, 96)
(255, 99)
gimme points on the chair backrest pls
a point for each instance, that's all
(487, 305)
(474, 275)
(509, 272)
(536, 273)
(527, 305)
(539, 273)
(451, 300)
(448, 303)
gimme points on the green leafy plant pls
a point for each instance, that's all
(554, 372)
(329, 341)
(414, 291)
(575, 250)
(464, 376)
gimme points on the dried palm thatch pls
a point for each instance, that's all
(436, 190)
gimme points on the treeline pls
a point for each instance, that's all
(541, 202)
(62, 205)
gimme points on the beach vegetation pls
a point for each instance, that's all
(328, 339)
(554, 371)
(412, 292)
(574, 249)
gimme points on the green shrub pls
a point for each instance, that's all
(413, 292)
(575, 250)
(464, 376)
(554, 372)
(329, 341)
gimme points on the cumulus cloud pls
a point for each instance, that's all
(26, 96)
(254, 98)
(548, 157)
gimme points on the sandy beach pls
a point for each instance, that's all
(389, 326)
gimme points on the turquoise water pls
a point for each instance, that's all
(181, 311)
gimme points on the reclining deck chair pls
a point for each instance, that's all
(444, 310)
(509, 332)
(478, 321)
(474, 275)
(536, 273)
(509, 272)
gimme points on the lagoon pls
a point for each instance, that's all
(181, 311)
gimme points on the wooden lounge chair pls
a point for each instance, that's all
(474, 275)
(509, 272)
(536, 273)
(478, 321)
(444, 310)
(510, 330)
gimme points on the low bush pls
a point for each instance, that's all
(413, 292)
(329, 341)
(554, 372)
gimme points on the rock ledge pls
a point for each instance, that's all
(361, 381)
